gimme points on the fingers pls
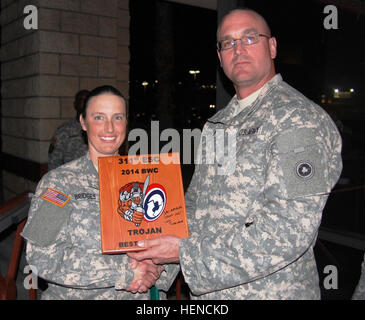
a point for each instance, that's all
(134, 286)
(133, 263)
(143, 289)
(138, 287)
(146, 274)
(148, 267)
(149, 243)
(146, 254)
(140, 256)
(141, 285)
(160, 250)
(155, 270)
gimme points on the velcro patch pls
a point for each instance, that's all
(45, 221)
(303, 161)
(56, 197)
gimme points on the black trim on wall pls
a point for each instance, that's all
(27, 169)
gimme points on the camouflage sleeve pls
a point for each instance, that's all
(171, 270)
(359, 293)
(52, 250)
(190, 203)
(167, 277)
(49, 265)
(282, 226)
(56, 149)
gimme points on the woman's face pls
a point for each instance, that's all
(105, 125)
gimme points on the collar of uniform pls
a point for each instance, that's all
(246, 102)
(91, 168)
(90, 172)
(227, 114)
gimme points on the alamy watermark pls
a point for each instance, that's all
(216, 146)
(31, 280)
(330, 282)
(212, 146)
(330, 21)
(31, 20)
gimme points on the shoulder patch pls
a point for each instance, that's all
(304, 169)
(304, 163)
(56, 197)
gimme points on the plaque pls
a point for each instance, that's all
(141, 197)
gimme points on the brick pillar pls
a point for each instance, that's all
(123, 47)
(78, 45)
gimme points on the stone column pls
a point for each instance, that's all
(78, 45)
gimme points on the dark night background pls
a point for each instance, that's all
(168, 40)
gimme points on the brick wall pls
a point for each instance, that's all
(78, 45)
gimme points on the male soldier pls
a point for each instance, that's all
(253, 226)
(68, 142)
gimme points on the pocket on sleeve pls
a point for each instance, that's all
(47, 220)
(303, 162)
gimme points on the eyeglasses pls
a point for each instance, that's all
(246, 40)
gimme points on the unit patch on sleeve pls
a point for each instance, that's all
(303, 162)
(56, 197)
(304, 169)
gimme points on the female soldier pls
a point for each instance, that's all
(63, 227)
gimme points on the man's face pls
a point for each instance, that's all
(247, 66)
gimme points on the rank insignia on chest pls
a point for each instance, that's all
(56, 197)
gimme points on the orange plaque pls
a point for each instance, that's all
(141, 197)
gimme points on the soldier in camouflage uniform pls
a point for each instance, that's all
(68, 142)
(63, 227)
(254, 214)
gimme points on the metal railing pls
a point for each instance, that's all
(14, 212)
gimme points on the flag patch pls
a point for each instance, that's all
(55, 197)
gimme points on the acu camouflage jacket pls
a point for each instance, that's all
(254, 212)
